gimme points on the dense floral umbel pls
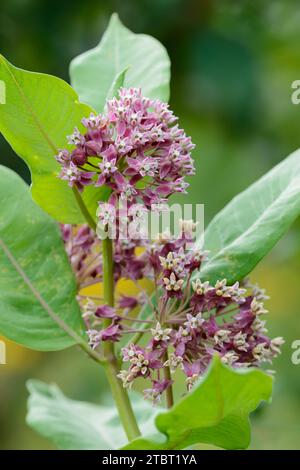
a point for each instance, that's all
(188, 321)
(135, 148)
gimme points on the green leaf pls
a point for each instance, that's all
(252, 223)
(93, 72)
(215, 411)
(75, 425)
(38, 307)
(39, 113)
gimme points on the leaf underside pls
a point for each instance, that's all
(253, 222)
(146, 60)
(75, 425)
(215, 412)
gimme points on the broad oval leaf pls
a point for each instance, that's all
(40, 111)
(38, 306)
(76, 425)
(215, 411)
(93, 72)
(252, 223)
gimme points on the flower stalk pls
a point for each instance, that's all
(167, 376)
(110, 362)
(119, 393)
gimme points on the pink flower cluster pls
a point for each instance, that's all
(138, 151)
(196, 320)
(189, 320)
(135, 148)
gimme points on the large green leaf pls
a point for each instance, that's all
(39, 113)
(38, 307)
(215, 411)
(93, 72)
(251, 224)
(75, 425)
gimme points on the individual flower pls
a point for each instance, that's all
(75, 176)
(172, 284)
(105, 311)
(222, 336)
(128, 302)
(89, 308)
(161, 334)
(106, 213)
(229, 358)
(193, 322)
(94, 338)
(174, 362)
(158, 387)
(111, 333)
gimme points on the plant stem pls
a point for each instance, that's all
(112, 368)
(121, 399)
(135, 338)
(167, 375)
(84, 210)
(111, 364)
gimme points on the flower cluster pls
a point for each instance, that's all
(135, 148)
(189, 320)
(195, 321)
(82, 248)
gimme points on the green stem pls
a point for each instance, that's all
(135, 338)
(167, 376)
(112, 369)
(84, 209)
(111, 366)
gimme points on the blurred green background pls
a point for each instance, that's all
(232, 68)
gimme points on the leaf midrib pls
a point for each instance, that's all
(29, 108)
(249, 229)
(66, 328)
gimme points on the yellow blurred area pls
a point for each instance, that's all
(17, 357)
(282, 285)
(123, 287)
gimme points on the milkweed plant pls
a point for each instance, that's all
(186, 351)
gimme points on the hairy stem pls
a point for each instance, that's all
(118, 391)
